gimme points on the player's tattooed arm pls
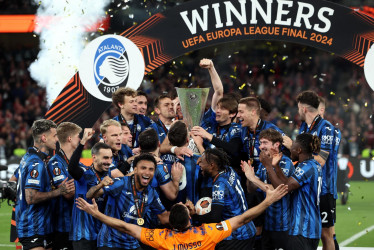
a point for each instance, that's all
(322, 157)
(97, 191)
(33, 196)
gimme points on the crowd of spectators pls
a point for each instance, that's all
(274, 71)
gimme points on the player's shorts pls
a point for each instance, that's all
(61, 241)
(236, 244)
(44, 241)
(253, 199)
(327, 207)
(84, 244)
(274, 240)
(299, 242)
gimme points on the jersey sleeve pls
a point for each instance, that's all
(16, 173)
(327, 137)
(115, 189)
(34, 174)
(235, 131)
(162, 174)
(156, 204)
(303, 175)
(287, 167)
(208, 118)
(218, 231)
(56, 169)
(153, 237)
(219, 191)
(90, 178)
(260, 173)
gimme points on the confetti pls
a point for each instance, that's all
(332, 93)
(285, 117)
(229, 56)
(272, 71)
(242, 87)
(232, 76)
(153, 112)
(284, 58)
(349, 208)
(366, 104)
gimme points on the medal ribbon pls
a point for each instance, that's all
(313, 124)
(136, 199)
(133, 130)
(216, 177)
(252, 141)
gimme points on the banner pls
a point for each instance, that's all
(198, 24)
(357, 169)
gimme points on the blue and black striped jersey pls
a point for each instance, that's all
(33, 219)
(305, 215)
(121, 205)
(228, 192)
(277, 216)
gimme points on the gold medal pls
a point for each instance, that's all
(140, 221)
(251, 160)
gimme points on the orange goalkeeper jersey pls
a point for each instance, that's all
(205, 236)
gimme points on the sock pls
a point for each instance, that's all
(336, 243)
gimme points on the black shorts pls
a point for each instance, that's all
(253, 199)
(327, 209)
(236, 244)
(61, 241)
(44, 241)
(84, 244)
(299, 242)
(274, 240)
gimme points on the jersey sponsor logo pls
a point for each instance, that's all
(232, 178)
(56, 171)
(131, 214)
(337, 141)
(166, 169)
(299, 172)
(285, 171)
(34, 173)
(218, 195)
(327, 139)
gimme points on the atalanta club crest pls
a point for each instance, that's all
(111, 66)
(108, 63)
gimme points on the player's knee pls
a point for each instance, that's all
(327, 233)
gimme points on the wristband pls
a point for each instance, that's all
(173, 149)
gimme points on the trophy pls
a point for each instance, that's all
(192, 102)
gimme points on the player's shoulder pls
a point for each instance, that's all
(144, 118)
(326, 124)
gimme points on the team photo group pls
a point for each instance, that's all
(233, 181)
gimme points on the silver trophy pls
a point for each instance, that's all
(193, 101)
